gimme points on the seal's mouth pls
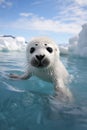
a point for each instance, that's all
(40, 63)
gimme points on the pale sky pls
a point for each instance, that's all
(58, 19)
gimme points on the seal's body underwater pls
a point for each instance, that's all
(43, 61)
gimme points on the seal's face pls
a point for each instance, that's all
(41, 53)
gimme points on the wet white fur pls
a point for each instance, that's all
(55, 72)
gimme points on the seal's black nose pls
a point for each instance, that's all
(40, 57)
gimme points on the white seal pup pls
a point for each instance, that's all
(43, 61)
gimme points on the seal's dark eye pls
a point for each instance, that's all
(49, 49)
(32, 49)
(36, 44)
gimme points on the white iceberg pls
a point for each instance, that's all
(64, 49)
(10, 43)
(77, 45)
(82, 42)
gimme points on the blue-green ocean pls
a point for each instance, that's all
(28, 104)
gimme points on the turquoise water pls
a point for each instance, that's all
(29, 105)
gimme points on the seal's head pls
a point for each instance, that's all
(42, 52)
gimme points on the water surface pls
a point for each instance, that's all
(29, 105)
